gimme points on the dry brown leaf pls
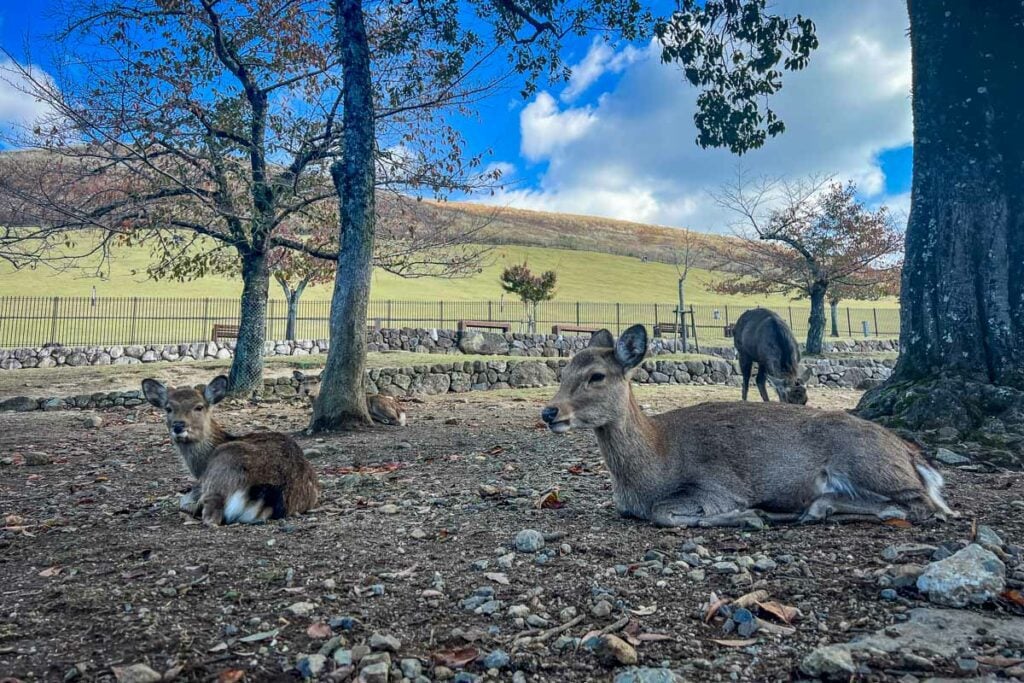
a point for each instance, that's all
(550, 500)
(746, 601)
(14, 520)
(901, 523)
(783, 613)
(714, 607)
(999, 662)
(457, 658)
(1014, 596)
(735, 643)
(52, 571)
(231, 676)
(319, 631)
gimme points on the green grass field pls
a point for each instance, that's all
(582, 276)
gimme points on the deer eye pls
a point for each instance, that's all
(168, 409)
(199, 409)
(596, 377)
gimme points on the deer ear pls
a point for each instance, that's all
(602, 339)
(806, 374)
(631, 347)
(216, 390)
(155, 392)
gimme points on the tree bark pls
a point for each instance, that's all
(246, 375)
(681, 315)
(292, 297)
(834, 311)
(342, 400)
(816, 321)
(962, 291)
(962, 297)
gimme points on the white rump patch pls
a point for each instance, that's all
(840, 485)
(933, 483)
(242, 510)
(401, 418)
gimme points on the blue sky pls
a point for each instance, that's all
(618, 139)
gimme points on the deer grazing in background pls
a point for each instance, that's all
(734, 464)
(383, 409)
(246, 479)
(760, 335)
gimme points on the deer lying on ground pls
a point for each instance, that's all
(732, 464)
(383, 409)
(760, 335)
(246, 479)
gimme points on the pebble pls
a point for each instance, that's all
(973, 575)
(987, 537)
(488, 608)
(529, 541)
(889, 594)
(375, 673)
(521, 611)
(646, 675)
(36, 459)
(829, 661)
(497, 659)
(907, 550)
(466, 677)
(765, 564)
(948, 457)
(519, 677)
(93, 421)
(411, 668)
(725, 568)
(567, 614)
(344, 623)
(506, 561)
(537, 621)
(389, 509)
(359, 652)
(310, 666)
(301, 609)
(602, 609)
(696, 575)
(343, 657)
(480, 565)
(404, 445)
(418, 533)
(138, 673)
(614, 650)
(385, 643)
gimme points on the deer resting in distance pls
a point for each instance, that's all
(732, 464)
(383, 409)
(246, 479)
(760, 335)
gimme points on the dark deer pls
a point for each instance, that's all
(246, 479)
(761, 336)
(731, 464)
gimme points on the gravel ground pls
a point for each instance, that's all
(415, 540)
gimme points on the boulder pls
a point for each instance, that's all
(973, 575)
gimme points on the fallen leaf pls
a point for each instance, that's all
(14, 520)
(257, 637)
(231, 676)
(750, 599)
(497, 577)
(713, 607)
(735, 643)
(219, 647)
(52, 571)
(644, 611)
(1014, 596)
(653, 637)
(319, 631)
(774, 629)
(575, 469)
(999, 662)
(496, 450)
(783, 613)
(901, 523)
(549, 500)
(455, 659)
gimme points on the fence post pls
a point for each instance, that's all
(874, 312)
(489, 317)
(790, 309)
(727, 315)
(206, 320)
(441, 308)
(849, 324)
(693, 326)
(53, 320)
(618, 323)
(135, 311)
(577, 314)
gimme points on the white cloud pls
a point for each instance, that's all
(545, 128)
(601, 58)
(632, 155)
(19, 110)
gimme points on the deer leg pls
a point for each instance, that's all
(701, 507)
(190, 502)
(746, 365)
(762, 376)
(841, 506)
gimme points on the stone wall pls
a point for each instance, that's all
(415, 340)
(470, 375)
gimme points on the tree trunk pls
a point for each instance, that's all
(246, 374)
(342, 400)
(681, 315)
(962, 317)
(834, 311)
(816, 321)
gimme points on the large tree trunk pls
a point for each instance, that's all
(342, 400)
(246, 374)
(816, 321)
(962, 297)
(834, 314)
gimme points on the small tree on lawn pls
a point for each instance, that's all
(869, 285)
(530, 288)
(805, 238)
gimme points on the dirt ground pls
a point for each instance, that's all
(99, 569)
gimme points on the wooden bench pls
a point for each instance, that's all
(485, 324)
(561, 329)
(662, 328)
(224, 332)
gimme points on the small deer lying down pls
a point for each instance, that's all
(730, 464)
(246, 479)
(383, 409)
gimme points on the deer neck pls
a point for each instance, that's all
(197, 454)
(631, 446)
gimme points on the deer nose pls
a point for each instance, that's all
(549, 414)
(178, 427)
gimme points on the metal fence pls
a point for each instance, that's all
(82, 321)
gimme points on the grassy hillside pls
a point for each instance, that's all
(582, 276)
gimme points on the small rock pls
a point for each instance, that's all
(907, 550)
(418, 534)
(411, 668)
(497, 659)
(343, 623)
(343, 657)
(696, 575)
(828, 662)
(301, 609)
(725, 568)
(613, 650)
(948, 457)
(506, 561)
(404, 445)
(529, 541)
(311, 666)
(889, 594)
(973, 575)
(988, 538)
(375, 673)
(36, 459)
(136, 673)
(567, 614)
(765, 565)
(93, 421)
(602, 609)
(647, 675)
(389, 509)
(359, 652)
(384, 643)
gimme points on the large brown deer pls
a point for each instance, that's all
(247, 479)
(726, 464)
(761, 336)
(383, 409)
